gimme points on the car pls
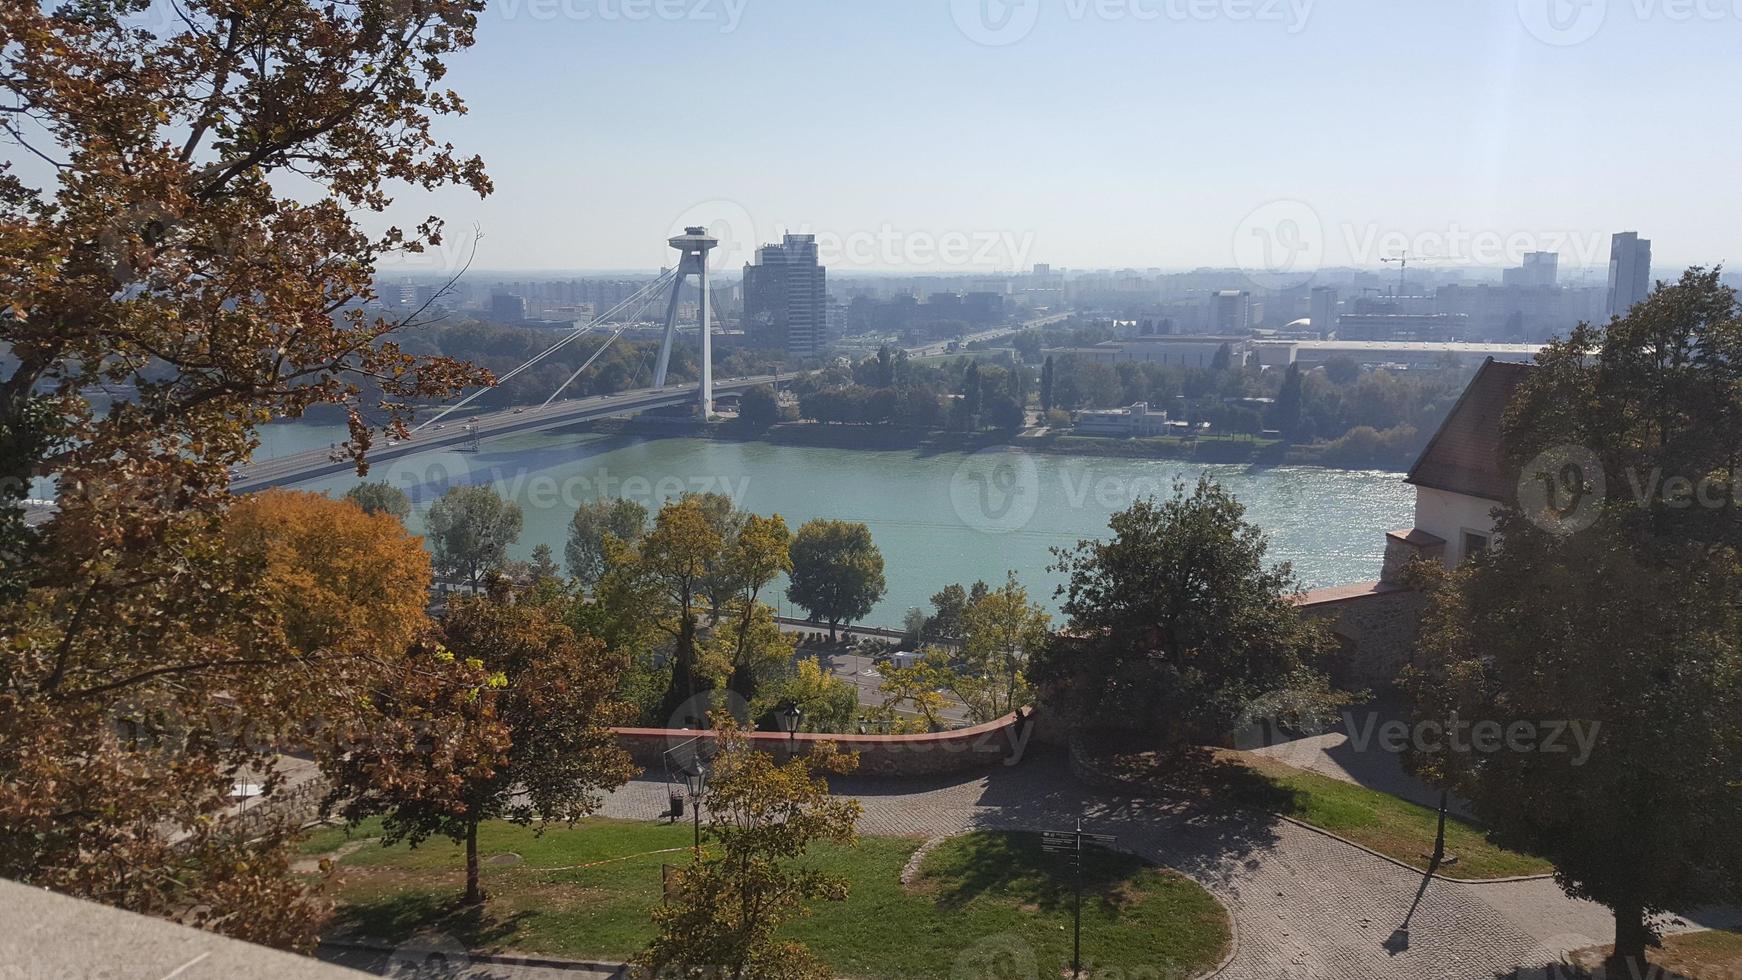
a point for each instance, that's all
(520, 411)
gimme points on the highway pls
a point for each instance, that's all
(315, 463)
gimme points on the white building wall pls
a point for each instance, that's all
(1451, 516)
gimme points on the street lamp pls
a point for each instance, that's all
(1445, 774)
(696, 783)
(791, 717)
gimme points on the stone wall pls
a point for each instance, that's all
(996, 743)
(1376, 622)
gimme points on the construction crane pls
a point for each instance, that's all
(1403, 262)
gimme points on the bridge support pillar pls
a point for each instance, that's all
(695, 244)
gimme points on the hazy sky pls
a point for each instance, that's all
(959, 134)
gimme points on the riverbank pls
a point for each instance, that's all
(877, 438)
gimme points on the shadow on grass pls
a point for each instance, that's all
(1016, 868)
(397, 918)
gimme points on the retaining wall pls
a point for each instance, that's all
(996, 743)
(1376, 622)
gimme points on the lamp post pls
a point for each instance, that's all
(696, 783)
(791, 717)
(1440, 838)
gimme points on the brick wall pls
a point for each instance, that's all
(1376, 622)
(995, 743)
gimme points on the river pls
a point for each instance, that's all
(937, 518)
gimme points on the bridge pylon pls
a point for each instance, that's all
(694, 243)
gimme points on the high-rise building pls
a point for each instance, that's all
(786, 297)
(1629, 271)
(1230, 311)
(1324, 309)
(507, 307)
(1539, 269)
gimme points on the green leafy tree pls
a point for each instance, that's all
(1002, 629)
(829, 703)
(584, 554)
(950, 609)
(1614, 608)
(758, 554)
(381, 498)
(747, 882)
(837, 572)
(543, 567)
(1046, 383)
(913, 691)
(1288, 404)
(758, 409)
(1178, 621)
(536, 743)
(470, 530)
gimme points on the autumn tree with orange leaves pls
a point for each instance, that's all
(151, 253)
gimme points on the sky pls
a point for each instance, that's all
(982, 135)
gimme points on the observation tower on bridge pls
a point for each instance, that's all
(694, 243)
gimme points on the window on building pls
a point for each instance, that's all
(1474, 544)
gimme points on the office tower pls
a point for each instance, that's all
(1323, 310)
(1230, 311)
(1629, 271)
(507, 308)
(786, 297)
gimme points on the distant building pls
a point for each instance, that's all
(1310, 354)
(1181, 351)
(1629, 271)
(1418, 327)
(1230, 311)
(786, 297)
(507, 307)
(1137, 420)
(1539, 269)
(1324, 310)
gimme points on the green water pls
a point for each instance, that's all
(937, 518)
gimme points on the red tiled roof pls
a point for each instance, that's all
(1464, 455)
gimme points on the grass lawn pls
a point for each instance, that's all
(585, 893)
(1392, 826)
(1387, 824)
(1715, 955)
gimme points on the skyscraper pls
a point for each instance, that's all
(786, 297)
(1323, 310)
(1629, 271)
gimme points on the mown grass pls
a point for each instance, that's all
(1714, 955)
(1388, 824)
(985, 901)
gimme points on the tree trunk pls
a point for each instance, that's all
(832, 624)
(1632, 936)
(474, 892)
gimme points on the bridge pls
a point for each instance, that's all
(316, 463)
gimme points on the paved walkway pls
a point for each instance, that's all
(1306, 907)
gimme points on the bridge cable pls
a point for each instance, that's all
(649, 289)
(627, 322)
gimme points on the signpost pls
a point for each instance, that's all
(1070, 843)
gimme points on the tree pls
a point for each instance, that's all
(1003, 629)
(1223, 359)
(837, 572)
(535, 745)
(734, 897)
(885, 367)
(470, 529)
(829, 703)
(1178, 620)
(336, 576)
(948, 621)
(1343, 370)
(973, 396)
(1615, 602)
(625, 520)
(196, 242)
(1288, 404)
(661, 581)
(757, 555)
(758, 408)
(544, 567)
(915, 687)
(1046, 383)
(381, 497)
